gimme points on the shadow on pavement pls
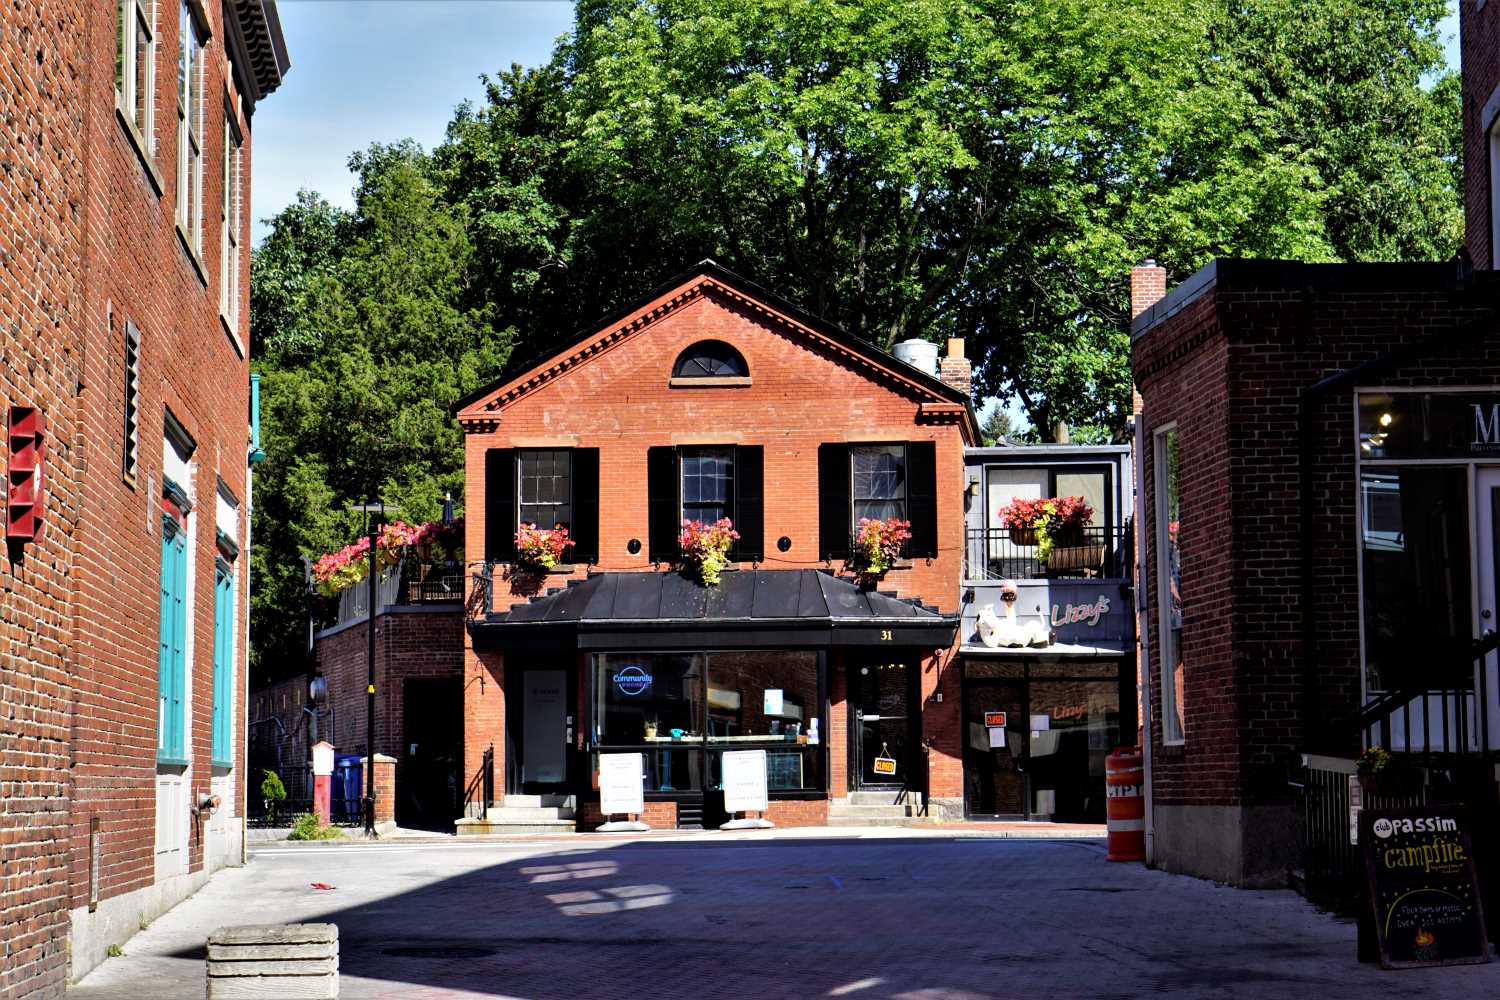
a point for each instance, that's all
(772, 918)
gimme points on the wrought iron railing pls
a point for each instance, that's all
(407, 582)
(1018, 554)
(1442, 750)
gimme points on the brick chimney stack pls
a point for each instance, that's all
(1148, 285)
(955, 369)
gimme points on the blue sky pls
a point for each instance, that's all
(379, 71)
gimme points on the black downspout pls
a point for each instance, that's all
(370, 688)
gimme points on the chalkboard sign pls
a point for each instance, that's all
(1423, 887)
(784, 769)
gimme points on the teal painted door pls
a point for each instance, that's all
(223, 664)
(171, 744)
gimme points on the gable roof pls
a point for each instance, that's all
(707, 274)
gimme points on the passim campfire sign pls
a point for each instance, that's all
(1423, 887)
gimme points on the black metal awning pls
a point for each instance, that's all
(748, 609)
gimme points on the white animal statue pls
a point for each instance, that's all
(996, 631)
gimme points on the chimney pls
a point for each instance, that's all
(1148, 285)
(954, 368)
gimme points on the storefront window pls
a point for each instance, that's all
(1169, 583)
(1415, 570)
(645, 698)
(760, 699)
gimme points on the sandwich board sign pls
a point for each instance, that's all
(620, 784)
(745, 781)
(1423, 887)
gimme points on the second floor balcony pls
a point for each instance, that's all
(1093, 552)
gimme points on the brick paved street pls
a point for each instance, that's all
(882, 914)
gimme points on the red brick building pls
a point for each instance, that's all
(712, 397)
(123, 321)
(1320, 488)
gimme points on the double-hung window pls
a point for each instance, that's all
(545, 487)
(189, 130)
(878, 481)
(135, 69)
(229, 227)
(707, 484)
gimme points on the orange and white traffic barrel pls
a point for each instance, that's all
(1125, 804)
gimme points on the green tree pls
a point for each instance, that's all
(377, 333)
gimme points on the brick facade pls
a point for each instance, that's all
(1227, 358)
(612, 392)
(1479, 44)
(89, 243)
(413, 643)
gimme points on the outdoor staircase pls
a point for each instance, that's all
(882, 808)
(524, 814)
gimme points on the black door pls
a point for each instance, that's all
(428, 792)
(995, 747)
(882, 721)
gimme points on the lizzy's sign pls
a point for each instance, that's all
(1084, 614)
(1423, 887)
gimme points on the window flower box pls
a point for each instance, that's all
(877, 545)
(705, 548)
(541, 549)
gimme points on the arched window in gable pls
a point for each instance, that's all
(710, 359)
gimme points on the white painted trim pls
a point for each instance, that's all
(1158, 435)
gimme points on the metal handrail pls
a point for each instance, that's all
(1378, 715)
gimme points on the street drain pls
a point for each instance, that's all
(440, 951)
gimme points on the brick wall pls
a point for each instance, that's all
(1229, 368)
(43, 66)
(413, 642)
(138, 270)
(1479, 42)
(802, 394)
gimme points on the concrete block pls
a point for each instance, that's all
(269, 961)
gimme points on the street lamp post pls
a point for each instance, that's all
(374, 534)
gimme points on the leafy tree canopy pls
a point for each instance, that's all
(906, 168)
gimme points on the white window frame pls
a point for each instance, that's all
(229, 223)
(190, 131)
(1173, 723)
(136, 18)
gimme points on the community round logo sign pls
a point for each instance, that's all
(632, 681)
(1382, 828)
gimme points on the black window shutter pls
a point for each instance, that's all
(499, 505)
(834, 529)
(921, 499)
(663, 511)
(585, 530)
(749, 504)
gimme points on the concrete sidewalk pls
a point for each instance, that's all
(881, 913)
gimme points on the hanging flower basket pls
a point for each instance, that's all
(705, 548)
(877, 545)
(540, 549)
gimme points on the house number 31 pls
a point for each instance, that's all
(885, 635)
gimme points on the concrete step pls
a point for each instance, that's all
(529, 814)
(884, 797)
(845, 814)
(491, 826)
(568, 802)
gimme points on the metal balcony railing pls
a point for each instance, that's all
(408, 582)
(1010, 554)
